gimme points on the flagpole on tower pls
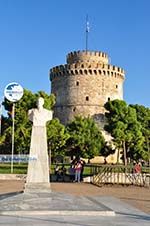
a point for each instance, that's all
(87, 31)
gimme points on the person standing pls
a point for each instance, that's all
(78, 167)
(137, 168)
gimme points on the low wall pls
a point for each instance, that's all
(12, 176)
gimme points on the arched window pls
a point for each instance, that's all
(85, 71)
(90, 71)
(77, 83)
(95, 72)
(81, 72)
(87, 98)
(76, 72)
(72, 72)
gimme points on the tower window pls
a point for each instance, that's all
(90, 71)
(116, 86)
(72, 72)
(85, 71)
(95, 72)
(108, 98)
(77, 83)
(87, 98)
(76, 72)
(81, 72)
(74, 109)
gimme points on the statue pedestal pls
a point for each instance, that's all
(38, 177)
(37, 188)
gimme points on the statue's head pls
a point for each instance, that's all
(40, 102)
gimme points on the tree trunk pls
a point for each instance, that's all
(118, 155)
(147, 141)
(124, 153)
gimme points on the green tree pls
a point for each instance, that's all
(125, 129)
(86, 139)
(107, 149)
(22, 124)
(143, 117)
(57, 137)
(4, 124)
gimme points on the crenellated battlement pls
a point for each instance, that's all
(87, 56)
(81, 68)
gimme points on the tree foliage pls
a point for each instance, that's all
(143, 117)
(107, 149)
(57, 137)
(124, 127)
(86, 139)
(22, 123)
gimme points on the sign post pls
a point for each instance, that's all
(13, 92)
(13, 134)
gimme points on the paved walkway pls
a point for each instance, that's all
(71, 193)
(125, 215)
(138, 197)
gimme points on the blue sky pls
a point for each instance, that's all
(36, 35)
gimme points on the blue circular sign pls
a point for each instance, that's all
(13, 92)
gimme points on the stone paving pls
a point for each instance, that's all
(125, 215)
(62, 208)
(53, 203)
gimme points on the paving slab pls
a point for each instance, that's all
(53, 203)
(129, 219)
(40, 209)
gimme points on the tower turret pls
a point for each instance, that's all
(87, 56)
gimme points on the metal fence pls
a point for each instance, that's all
(119, 174)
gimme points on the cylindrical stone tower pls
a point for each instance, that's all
(84, 85)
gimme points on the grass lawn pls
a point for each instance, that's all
(5, 168)
(17, 168)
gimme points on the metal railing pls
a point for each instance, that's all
(119, 174)
(98, 174)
